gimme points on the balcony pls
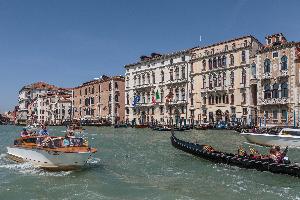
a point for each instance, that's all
(284, 73)
(266, 75)
(144, 86)
(176, 81)
(274, 101)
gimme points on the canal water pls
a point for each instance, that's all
(142, 164)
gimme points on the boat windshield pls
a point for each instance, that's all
(290, 132)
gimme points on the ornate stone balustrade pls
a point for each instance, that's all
(284, 73)
(274, 101)
(266, 75)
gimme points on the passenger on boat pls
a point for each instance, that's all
(24, 133)
(209, 148)
(44, 131)
(47, 142)
(66, 141)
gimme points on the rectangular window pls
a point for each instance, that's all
(275, 114)
(245, 111)
(275, 54)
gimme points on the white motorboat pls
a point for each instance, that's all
(50, 152)
(277, 137)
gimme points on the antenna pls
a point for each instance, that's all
(200, 38)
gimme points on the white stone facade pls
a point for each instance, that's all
(166, 76)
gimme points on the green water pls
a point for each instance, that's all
(141, 164)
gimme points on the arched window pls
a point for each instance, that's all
(116, 86)
(220, 79)
(232, 99)
(162, 75)
(148, 78)
(253, 70)
(215, 64)
(275, 93)
(139, 80)
(204, 65)
(162, 95)
(243, 56)
(127, 99)
(153, 78)
(224, 78)
(147, 96)
(284, 64)
(231, 59)
(182, 94)
(203, 81)
(210, 81)
(209, 64)
(244, 76)
(219, 62)
(215, 80)
(183, 72)
(127, 81)
(267, 91)
(284, 90)
(176, 94)
(232, 78)
(143, 79)
(116, 98)
(267, 66)
(224, 61)
(171, 75)
(176, 73)
(204, 100)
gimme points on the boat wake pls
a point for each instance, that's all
(26, 168)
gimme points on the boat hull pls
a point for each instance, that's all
(51, 160)
(272, 140)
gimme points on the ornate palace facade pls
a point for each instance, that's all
(157, 88)
(275, 72)
(221, 82)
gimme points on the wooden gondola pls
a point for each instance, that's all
(141, 126)
(120, 126)
(232, 159)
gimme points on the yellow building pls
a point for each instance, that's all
(220, 81)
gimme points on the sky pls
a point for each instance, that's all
(68, 42)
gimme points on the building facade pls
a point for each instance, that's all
(275, 73)
(101, 99)
(28, 93)
(221, 83)
(50, 108)
(157, 89)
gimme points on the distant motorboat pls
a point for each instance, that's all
(274, 137)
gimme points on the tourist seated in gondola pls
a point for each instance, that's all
(254, 153)
(242, 151)
(208, 148)
(24, 133)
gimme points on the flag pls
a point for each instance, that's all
(153, 100)
(157, 95)
(136, 99)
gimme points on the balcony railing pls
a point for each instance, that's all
(274, 101)
(266, 75)
(284, 73)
